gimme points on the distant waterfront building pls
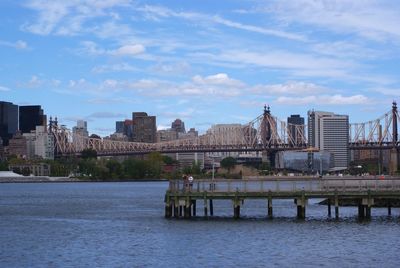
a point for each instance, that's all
(44, 143)
(41, 169)
(8, 121)
(144, 127)
(227, 134)
(192, 133)
(178, 125)
(187, 159)
(30, 144)
(296, 128)
(166, 135)
(80, 129)
(31, 116)
(330, 132)
(299, 161)
(17, 145)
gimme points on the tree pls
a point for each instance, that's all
(88, 153)
(228, 163)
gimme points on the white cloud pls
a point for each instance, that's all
(92, 49)
(221, 79)
(157, 12)
(129, 50)
(119, 67)
(324, 100)
(17, 45)
(4, 88)
(106, 115)
(389, 91)
(68, 17)
(371, 19)
(291, 87)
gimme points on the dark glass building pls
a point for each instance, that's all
(144, 127)
(30, 117)
(296, 132)
(8, 121)
(178, 125)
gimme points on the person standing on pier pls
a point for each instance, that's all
(190, 180)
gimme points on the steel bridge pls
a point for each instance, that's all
(266, 133)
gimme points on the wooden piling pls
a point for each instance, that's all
(336, 207)
(329, 208)
(211, 208)
(389, 206)
(361, 211)
(205, 206)
(270, 207)
(236, 208)
(194, 207)
(188, 211)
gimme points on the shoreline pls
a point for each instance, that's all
(45, 179)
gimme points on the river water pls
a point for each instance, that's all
(123, 225)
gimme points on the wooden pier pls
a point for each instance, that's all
(181, 199)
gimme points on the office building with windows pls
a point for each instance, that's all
(330, 132)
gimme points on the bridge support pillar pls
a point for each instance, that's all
(336, 207)
(329, 208)
(176, 207)
(194, 207)
(269, 207)
(361, 211)
(205, 207)
(301, 207)
(394, 161)
(366, 204)
(188, 210)
(168, 208)
(236, 208)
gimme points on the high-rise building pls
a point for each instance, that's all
(330, 132)
(144, 127)
(119, 127)
(30, 117)
(44, 143)
(296, 129)
(8, 121)
(80, 129)
(125, 127)
(178, 125)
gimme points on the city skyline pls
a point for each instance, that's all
(206, 64)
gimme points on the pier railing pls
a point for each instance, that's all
(279, 185)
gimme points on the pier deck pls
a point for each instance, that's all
(181, 199)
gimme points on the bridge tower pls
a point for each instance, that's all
(266, 135)
(394, 156)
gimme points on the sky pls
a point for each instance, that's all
(205, 62)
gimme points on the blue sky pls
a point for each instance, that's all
(205, 62)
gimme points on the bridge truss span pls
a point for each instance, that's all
(264, 133)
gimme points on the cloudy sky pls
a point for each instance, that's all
(205, 62)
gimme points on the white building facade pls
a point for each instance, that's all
(330, 132)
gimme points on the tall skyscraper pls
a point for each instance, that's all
(119, 127)
(296, 128)
(330, 132)
(30, 117)
(178, 125)
(81, 129)
(144, 127)
(8, 121)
